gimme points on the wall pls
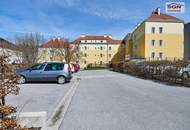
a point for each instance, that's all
(93, 53)
(138, 39)
(173, 40)
(45, 55)
(187, 42)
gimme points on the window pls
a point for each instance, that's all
(134, 37)
(101, 48)
(85, 48)
(152, 54)
(52, 52)
(135, 47)
(54, 67)
(153, 29)
(101, 62)
(161, 55)
(44, 51)
(109, 55)
(85, 55)
(37, 67)
(101, 55)
(153, 42)
(85, 62)
(110, 48)
(160, 29)
(161, 42)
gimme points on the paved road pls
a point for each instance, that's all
(106, 100)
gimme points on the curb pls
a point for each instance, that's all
(54, 122)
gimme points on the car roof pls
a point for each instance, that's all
(52, 62)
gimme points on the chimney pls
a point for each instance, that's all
(110, 36)
(158, 10)
(54, 39)
(83, 35)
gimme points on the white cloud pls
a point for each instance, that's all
(119, 14)
(65, 3)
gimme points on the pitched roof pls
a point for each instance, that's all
(55, 43)
(7, 45)
(156, 17)
(90, 37)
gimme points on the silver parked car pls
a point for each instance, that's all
(185, 72)
(48, 71)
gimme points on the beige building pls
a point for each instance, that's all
(97, 50)
(53, 50)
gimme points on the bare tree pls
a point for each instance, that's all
(73, 53)
(66, 51)
(29, 45)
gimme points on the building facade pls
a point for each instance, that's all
(159, 37)
(97, 50)
(187, 41)
(53, 50)
(11, 50)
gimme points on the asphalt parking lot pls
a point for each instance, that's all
(106, 100)
(38, 97)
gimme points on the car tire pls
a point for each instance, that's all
(22, 80)
(185, 75)
(61, 80)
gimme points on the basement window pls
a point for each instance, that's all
(161, 55)
(152, 54)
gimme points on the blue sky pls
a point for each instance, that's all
(71, 18)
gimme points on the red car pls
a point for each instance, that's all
(76, 67)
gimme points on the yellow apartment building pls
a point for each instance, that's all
(97, 50)
(50, 51)
(128, 47)
(159, 37)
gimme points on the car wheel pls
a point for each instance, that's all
(22, 80)
(185, 75)
(61, 80)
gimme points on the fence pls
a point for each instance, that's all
(168, 71)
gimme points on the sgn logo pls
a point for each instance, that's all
(175, 7)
